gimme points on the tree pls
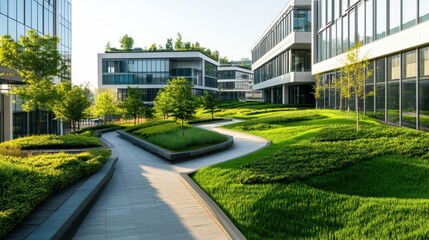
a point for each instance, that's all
(355, 71)
(188, 45)
(132, 105)
(72, 103)
(209, 102)
(37, 61)
(169, 44)
(153, 47)
(318, 88)
(178, 45)
(223, 60)
(215, 55)
(148, 113)
(162, 103)
(126, 42)
(108, 46)
(183, 103)
(105, 104)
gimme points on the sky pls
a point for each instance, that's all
(230, 26)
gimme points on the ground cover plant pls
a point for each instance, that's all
(52, 142)
(320, 179)
(171, 136)
(26, 182)
(90, 130)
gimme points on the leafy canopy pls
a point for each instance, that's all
(126, 42)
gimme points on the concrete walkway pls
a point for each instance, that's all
(146, 199)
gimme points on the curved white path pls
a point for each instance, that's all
(146, 200)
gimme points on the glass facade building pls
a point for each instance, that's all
(46, 17)
(282, 57)
(150, 71)
(235, 83)
(394, 36)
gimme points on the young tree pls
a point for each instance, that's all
(209, 102)
(132, 105)
(169, 44)
(318, 88)
(162, 103)
(72, 103)
(37, 61)
(178, 45)
(153, 47)
(223, 60)
(148, 113)
(105, 103)
(126, 42)
(355, 72)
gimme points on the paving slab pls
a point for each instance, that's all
(147, 200)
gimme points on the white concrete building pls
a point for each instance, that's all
(282, 57)
(150, 71)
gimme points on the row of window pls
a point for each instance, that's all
(299, 94)
(295, 20)
(136, 66)
(238, 85)
(365, 22)
(233, 74)
(301, 62)
(400, 88)
(149, 95)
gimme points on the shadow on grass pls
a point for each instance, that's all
(383, 177)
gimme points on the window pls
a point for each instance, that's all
(424, 88)
(423, 10)
(345, 34)
(3, 7)
(352, 27)
(410, 65)
(393, 71)
(322, 13)
(3, 24)
(408, 97)
(333, 40)
(394, 16)
(12, 9)
(409, 13)
(381, 18)
(369, 21)
(339, 36)
(380, 78)
(361, 23)
(345, 5)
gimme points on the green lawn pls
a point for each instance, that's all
(171, 136)
(319, 179)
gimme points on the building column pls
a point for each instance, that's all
(285, 94)
(8, 117)
(272, 95)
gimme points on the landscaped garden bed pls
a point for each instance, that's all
(52, 142)
(168, 139)
(26, 181)
(320, 179)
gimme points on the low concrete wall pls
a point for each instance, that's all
(65, 221)
(212, 207)
(175, 156)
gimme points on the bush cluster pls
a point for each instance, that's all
(52, 142)
(26, 182)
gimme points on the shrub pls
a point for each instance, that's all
(26, 182)
(156, 129)
(52, 142)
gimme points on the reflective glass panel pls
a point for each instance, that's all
(423, 10)
(369, 21)
(409, 13)
(381, 18)
(394, 12)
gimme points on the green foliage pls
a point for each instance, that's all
(223, 60)
(156, 129)
(52, 142)
(132, 105)
(153, 47)
(126, 42)
(162, 103)
(209, 102)
(73, 103)
(169, 44)
(132, 129)
(105, 103)
(320, 179)
(26, 182)
(95, 128)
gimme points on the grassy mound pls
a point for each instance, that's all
(52, 142)
(319, 179)
(171, 136)
(26, 182)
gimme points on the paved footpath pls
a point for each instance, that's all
(146, 200)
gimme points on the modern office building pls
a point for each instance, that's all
(395, 34)
(235, 83)
(150, 71)
(282, 57)
(16, 18)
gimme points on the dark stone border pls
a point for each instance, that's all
(65, 221)
(212, 207)
(98, 133)
(175, 156)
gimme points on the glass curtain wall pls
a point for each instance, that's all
(408, 97)
(424, 88)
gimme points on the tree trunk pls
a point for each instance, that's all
(135, 120)
(78, 125)
(348, 106)
(341, 103)
(104, 119)
(37, 120)
(357, 111)
(74, 125)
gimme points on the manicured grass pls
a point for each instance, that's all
(319, 179)
(171, 136)
(89, 131)
(26, 182)
(52, 142)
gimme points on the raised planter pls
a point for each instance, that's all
(175, 156)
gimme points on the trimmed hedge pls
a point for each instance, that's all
(26, 182)
(52, 142)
